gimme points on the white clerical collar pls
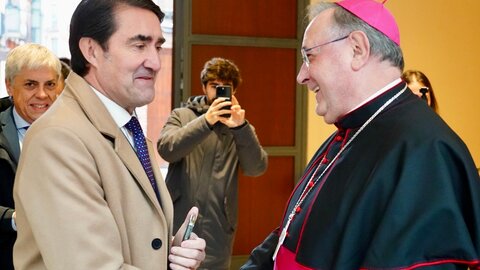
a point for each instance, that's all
(378, 93)
(118, 113)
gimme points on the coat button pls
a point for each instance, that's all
(156, 243)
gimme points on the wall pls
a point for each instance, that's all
(442, 39)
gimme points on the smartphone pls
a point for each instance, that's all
(189, 229)
(226, 92)
(424, 91)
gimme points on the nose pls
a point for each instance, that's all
(41, 93)
(302, 76)
(152, 60)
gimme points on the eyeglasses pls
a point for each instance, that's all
(304, 51)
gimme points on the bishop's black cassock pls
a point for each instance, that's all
(405, 194)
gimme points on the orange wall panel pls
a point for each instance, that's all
(262, 203)
(159, 110)
(256, 18)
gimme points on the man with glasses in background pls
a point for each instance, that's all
(394, 187)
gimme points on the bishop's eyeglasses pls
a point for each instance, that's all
(305, 51)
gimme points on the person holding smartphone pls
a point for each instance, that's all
(205, 143)
(420, 85)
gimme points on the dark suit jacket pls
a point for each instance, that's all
(9, 154)
(5, 103)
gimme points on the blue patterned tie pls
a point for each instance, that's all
(142, 151)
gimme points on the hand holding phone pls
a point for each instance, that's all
(224, 91)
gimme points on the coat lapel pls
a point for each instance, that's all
(10, 132)
(101, 119)
(165, 198)
(131, 161)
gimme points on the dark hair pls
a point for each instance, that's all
(96, 19)
(220, 69)
(65, 60)
(409, 75)
(65, 67)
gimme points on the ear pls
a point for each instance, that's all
(89, 49)
(361, 49)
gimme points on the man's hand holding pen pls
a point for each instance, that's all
(189, 229)
(188, 250)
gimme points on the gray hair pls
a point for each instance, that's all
(30, 56)
(345, 22)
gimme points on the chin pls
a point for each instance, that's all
(320, 112)
(142, 101)
(327, 118)
(146, 101)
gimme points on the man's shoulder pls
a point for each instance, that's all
(6, 121)
(6, 148)
(5, 103)
(183, 109)
(186, 113)
(5, 112)
(66, 113)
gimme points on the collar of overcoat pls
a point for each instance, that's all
(101, 119)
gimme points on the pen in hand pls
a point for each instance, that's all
(189, 229)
